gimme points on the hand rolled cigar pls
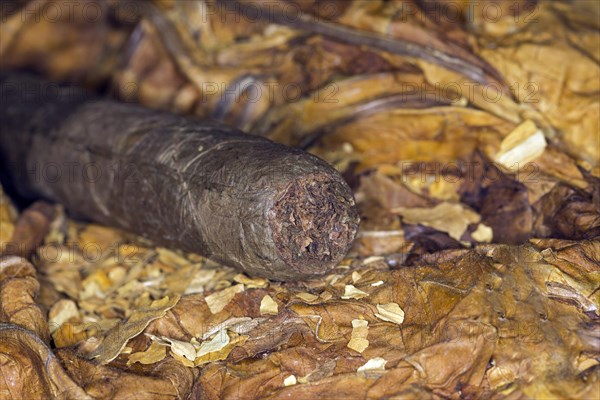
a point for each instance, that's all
(242, 200)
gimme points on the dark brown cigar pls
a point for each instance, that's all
(267, 209)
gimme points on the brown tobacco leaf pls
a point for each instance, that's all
(116, 339)
(531, 57)
(502, 201)
(475, 307)
(30, 229)
(572, 259)
(234, 64)
(568, 212)
(165, 379)
(18, 291)
(83, 43)
(468, 320)
(8, 216)
(389, 193)
(481, 320)
(30, 369)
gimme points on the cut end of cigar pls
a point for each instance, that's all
(313, 224)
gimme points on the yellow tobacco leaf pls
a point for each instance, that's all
(218, 342)
(452, 218)
(483, 233)
(374, 364)
(218, 301)
(153, 354)
(178, 347)
(307, 297)
(169, 257)
(360, 331)
(390, 312)
(62, 311)
(251, 283)
(351, 292)
(524, 144)
(268, 306)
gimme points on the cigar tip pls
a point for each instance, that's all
(313, 223)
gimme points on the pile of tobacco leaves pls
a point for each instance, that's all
(469, 132)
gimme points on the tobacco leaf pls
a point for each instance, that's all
(18, 291)
(569, 213)
(502, 201)
(83, 42)
(530, 58)
(30, 229)
(25, 355)
(153, 354)
(473, 304)
(8, 217)
(115, 339)
(164, 379)
(480, 320)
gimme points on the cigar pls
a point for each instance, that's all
(200, 186)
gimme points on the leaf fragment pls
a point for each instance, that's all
(351, 292)
(290, 380)
(251, 282)
(390, 312)
(154, 353)
(483, 233)
(307, 297)
(360, 331)
(63, 311)
(268, 306)
(218, 301)
(117, 337)
(523, 145)
(374, 364)
(452, 218)
(217, 343)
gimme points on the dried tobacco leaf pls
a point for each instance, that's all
(25, 355)
(19, 288)
(374, 364)
(116, 338)
(351, 292)
(8, 216)
(63, 26)
(446, 217)
(470, 320)
(390, 312)
(268, 305)
(164, 379)
(218, 301)
(360, 332)
(154, 353)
